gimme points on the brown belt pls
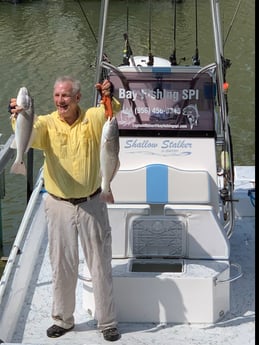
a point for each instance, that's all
(76, 201)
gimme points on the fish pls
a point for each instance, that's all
(109, 157)
(23, 130)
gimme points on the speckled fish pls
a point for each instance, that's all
(109, 157)
(23, 130)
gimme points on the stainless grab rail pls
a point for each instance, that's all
(238, 275)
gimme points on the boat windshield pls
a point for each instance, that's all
(161, 103)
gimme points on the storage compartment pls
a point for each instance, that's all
(156, 265)
(195, 295)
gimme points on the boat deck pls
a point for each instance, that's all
(31, 299)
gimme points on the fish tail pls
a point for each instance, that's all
(18, 168)
(107, 197)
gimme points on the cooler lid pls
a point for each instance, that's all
(154, 236)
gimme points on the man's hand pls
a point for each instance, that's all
(104, 88)
(13, 109)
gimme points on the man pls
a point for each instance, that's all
(70, 139)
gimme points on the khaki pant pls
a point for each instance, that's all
(89, 222)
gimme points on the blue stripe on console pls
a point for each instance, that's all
(161, 69)
(157, 183)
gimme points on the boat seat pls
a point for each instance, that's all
(162, 184)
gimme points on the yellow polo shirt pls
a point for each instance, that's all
(71, 165)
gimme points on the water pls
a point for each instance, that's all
(42, 39)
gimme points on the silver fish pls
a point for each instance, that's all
(109, 157)
(23, 130)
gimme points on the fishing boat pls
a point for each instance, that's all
(183, 221)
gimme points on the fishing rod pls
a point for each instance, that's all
(127, 51)
(150, 55)
(195, 58)
(231, 24)
(101, 73)
(103, 65)
(225, 64)
(84, 14)
(227, 161)
(172, 57)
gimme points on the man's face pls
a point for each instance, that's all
(65, 101)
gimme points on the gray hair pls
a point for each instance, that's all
(76, 85)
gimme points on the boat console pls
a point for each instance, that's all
(170, 249)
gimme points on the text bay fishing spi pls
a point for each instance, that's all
(64, 42)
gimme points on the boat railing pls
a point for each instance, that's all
(21, 233)
(6, 155)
